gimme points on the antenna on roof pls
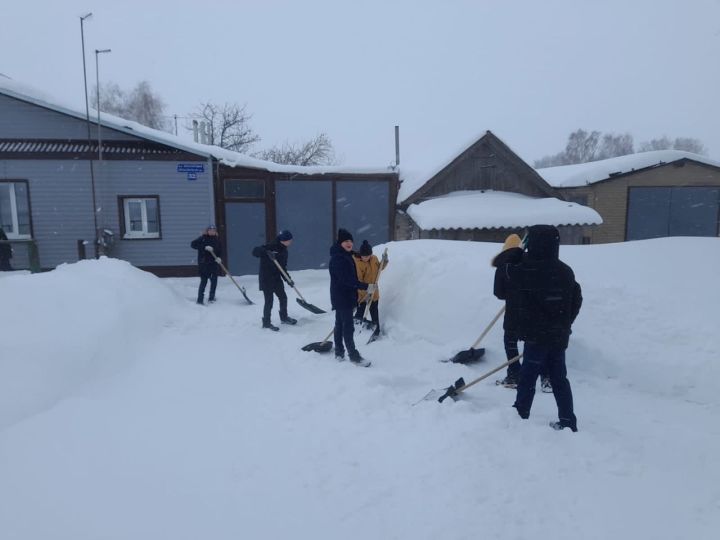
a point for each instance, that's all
(397, 146)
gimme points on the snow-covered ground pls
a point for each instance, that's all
(128, 412)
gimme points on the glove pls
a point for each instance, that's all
(209, 248)
(371, 288)
(270, 254)
(218, 260)
(291, 282)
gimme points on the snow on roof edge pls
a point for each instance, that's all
(489, 209)
(29, 94)
(592, 172)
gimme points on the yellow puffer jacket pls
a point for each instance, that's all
(367, 272)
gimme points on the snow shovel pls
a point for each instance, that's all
(300, 300)
(217, 260)
(460, 386)
(472, 354)
(321, 346)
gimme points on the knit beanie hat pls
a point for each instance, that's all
(343, 235)
(284, 236)
(512, 241)
(365, 249)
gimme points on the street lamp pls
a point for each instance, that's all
(98, 52)
(87, 118)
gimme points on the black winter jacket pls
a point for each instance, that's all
(542, 293)
(344, 283)
(509, 256)
(206, 262)
(269, 276)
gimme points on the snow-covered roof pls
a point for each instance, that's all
(413, 178)
(32, 95)
(584, 174)
(498, 209)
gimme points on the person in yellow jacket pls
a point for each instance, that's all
(368, 268)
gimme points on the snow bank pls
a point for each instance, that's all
(649, 317)
(78, 323)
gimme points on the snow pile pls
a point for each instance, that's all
(595, 171)
(61, 329)
(496, 210)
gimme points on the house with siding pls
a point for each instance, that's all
(644, 195)
(484, 193)
(144, 194)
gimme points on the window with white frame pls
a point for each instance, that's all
(15, 210)
(141, 217)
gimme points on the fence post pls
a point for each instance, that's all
(33, 256)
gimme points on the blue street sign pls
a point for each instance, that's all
(191, 168)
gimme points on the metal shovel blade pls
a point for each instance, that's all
(319, 346)
(452, 391)
(468, 356)
(250, 302)
(313, 309)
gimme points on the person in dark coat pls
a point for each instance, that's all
(5, 252)
(207, 267)
(344, 285)
(512, 253)
(271, 279)
(544, 299)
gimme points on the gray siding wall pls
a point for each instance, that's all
(61, 205)
(186, 209)
(19, 119)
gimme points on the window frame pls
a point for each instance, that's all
(125, 234)
(260, 181)
(13, 209)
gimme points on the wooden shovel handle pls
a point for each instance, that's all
(495, 370)
(489, 326)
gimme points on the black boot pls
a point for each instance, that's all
(288, 320)
(267, 324)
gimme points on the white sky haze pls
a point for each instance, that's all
(531, 72)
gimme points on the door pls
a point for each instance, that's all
(245, 222)
(362, 207)
(304, 207)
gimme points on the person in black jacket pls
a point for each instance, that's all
(544, 299)
(271, 279)
(207, 267)
(512, 253)
(344, 285)
(5, 252)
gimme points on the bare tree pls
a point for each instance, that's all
(686, 144)
(317, 151)
(141, 104)
(615, 145)
(583, 146)
(227, 125)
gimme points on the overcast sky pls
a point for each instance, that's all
(444, 70)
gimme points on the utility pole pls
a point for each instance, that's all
(98, 52)
(89, 137)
